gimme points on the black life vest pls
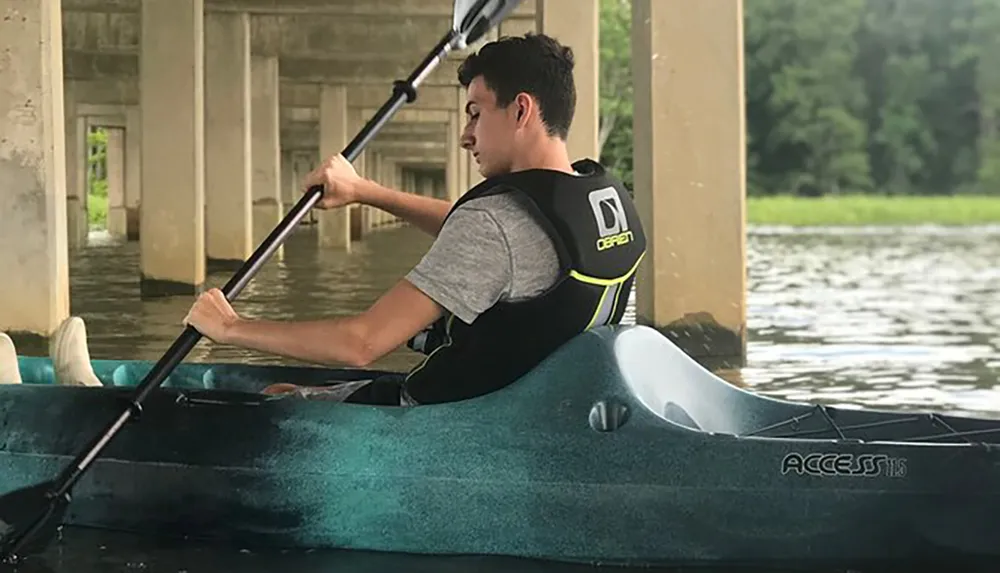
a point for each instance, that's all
(599, 239)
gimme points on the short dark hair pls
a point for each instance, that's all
(535, 64)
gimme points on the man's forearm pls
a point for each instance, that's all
(329, 342)
(427, 213)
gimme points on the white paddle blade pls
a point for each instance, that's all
(473, 18)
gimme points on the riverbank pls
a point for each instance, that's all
(851, 210)
(844, 210)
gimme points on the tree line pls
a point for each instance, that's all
(898, 97)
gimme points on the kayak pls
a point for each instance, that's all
(618, 448)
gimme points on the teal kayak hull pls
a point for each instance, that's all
(617, 449)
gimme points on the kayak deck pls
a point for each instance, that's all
(618, 448)
(695, 399)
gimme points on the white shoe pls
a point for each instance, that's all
(9, 372)
(70, 356)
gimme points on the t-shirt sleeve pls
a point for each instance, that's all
(468, 268)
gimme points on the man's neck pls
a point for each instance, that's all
(546, 154)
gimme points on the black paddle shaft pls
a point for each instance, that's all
(403, 92)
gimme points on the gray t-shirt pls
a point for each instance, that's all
(490, 249)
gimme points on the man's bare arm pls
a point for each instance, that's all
(357, 341)
(426, 213)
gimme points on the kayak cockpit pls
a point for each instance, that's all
(636, 360)
(681, 391)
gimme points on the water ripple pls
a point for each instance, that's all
(896, 318)
(880, 316)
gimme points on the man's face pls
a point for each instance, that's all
(489, 131)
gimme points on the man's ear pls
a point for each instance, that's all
(524, 105)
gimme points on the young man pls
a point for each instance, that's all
(540, 251)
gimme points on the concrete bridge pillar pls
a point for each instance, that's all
(517, 26)
(383, 216)
(575, 24)
(266, 162)
(690, 172)
(427, 186)
(399, 176)
(469, 168)
(33, 205)
(463, 170)
(133, 171)
(453, 153)
(475, 177)
(387, 174)
(334, 225)
(288, 181)
(361, 220)
(373, 163)
(75, 145)
(387, 179)
(228, 196)
(115, 162)
(302, 164)
(408, 181)
(172, 243)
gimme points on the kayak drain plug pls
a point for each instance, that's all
(608, 415)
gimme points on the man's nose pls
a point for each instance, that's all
(467, 140)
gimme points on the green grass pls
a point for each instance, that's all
(840, 210)
(97, 211)
(846, 210)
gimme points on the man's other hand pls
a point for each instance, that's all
(339, 180)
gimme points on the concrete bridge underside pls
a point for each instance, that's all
(215, 109)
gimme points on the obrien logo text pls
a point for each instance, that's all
(614, 240)
(849, 465)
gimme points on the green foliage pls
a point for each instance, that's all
(97, 180)
(892, 97)
(803, 100)
(616, 87)
(97, 211)
(986, 38)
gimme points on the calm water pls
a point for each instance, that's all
(900, 319)
(892, 318)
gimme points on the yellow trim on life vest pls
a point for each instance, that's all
(607, 282)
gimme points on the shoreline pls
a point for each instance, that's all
(873, 210)
(851, 211)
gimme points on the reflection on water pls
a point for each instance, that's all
(893, 318)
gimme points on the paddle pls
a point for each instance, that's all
(29, 517)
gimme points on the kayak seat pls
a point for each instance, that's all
(681, 391)
(675, 413)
